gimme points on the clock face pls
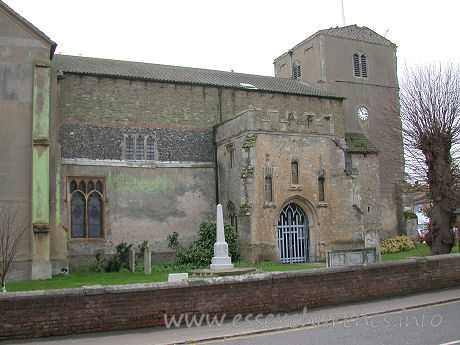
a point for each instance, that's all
(363, 113)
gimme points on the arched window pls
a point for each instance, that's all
(86, 207)
(94, 215)
(268, 189)
(360, 65)
(231, 213)
(321, 189)
(296, 71)
(77, 215)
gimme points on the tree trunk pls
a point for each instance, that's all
(440, 237)
(436, 149)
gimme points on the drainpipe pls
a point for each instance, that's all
(216, 170)
(290, 52)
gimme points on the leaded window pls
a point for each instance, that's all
(150, 149)
(86, 207)
(139, 147)
(129, 147)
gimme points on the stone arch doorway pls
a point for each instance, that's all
(293, 234)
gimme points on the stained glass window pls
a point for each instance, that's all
(86, 208)
(77, 215)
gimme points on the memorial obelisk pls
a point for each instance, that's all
(221, 261)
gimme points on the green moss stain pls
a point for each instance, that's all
(40, 185)
(161, 192)
(131, 185)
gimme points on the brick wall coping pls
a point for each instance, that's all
(195, 282)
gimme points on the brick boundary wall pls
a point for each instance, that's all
(102, 308)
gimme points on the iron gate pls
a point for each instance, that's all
(293, 234)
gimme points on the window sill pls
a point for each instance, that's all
(76, 240)
(322, 204)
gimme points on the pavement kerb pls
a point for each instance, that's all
(367, 314)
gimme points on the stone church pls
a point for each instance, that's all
(97, 152)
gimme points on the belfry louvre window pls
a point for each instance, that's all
(360, 65)
(86, 197)
(139, 147)
(296, 71)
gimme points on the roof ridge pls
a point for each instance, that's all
(174, 66)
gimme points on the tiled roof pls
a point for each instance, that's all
(358, 143)
(183, 75)
(360, 33)
(355, 32)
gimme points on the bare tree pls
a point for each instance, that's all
(430, 115)
(12, 230)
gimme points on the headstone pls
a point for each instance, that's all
(132, 259)
(372, 240)
(221, 260)
(147, 260)
(172, 277)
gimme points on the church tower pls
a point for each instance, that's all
(359, 64)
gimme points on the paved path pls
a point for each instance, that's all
(250, 324)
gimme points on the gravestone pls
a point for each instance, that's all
(132, 259)
(221, 261)
(147, 260)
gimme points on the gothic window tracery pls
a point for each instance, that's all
(86, 207)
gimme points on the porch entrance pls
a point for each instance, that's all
(293, 234)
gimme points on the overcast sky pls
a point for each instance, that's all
(244, 36)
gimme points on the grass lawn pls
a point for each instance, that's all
(422, 250)
(84, 277)
(78, 278)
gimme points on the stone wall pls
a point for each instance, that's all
(106, 142)
(142, 203)
(271, 140)
(98, 308)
